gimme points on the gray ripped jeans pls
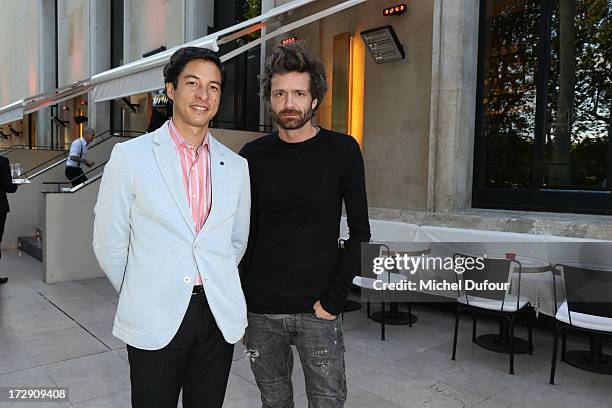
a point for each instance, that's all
(321, 349)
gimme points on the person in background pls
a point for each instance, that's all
(158, 117)
(6, 186)
(78, 156)
(294, 283)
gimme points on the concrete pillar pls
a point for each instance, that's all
(46, 66)
(264, 117)
(453, 104)
(99, 59)
(199, 15)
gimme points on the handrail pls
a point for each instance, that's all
(8, 150)
(61, 155)
(59, 183)
(63, 160)
(88, 182)
(26, 147)
(13, 148)
(74, 178)
(77, 188)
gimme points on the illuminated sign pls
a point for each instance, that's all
(395, 10)
(289, 40)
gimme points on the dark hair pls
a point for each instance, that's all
(295, 57)
(182, 56)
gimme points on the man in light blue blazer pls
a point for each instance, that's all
(171, 225)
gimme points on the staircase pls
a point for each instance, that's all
(32, 245)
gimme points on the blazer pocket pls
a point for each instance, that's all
(134, 308)
(132, 313)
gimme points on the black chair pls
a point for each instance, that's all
(499, 304)
(369, 252)
(587, 309)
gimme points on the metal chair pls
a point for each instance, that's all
(366, 281)
(500, 304)
(587, 308)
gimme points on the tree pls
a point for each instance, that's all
(580, 102)
(579, 92)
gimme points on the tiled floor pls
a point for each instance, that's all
(60, 334)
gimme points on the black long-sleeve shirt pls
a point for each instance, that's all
(297, 191)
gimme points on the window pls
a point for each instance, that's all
(240, 102)
(544, 106)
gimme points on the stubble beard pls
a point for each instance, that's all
(294, 122)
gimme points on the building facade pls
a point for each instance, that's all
(497, 117)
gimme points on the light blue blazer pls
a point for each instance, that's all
(145, 239)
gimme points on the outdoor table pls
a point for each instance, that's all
(394, 315)
(500, 342)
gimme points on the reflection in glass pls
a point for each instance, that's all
(509, 91)
(579, 95)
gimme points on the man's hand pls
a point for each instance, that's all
(322, 313)
(89, 163)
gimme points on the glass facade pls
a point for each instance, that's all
(509, 88)
(240, 101)
(544, 105)
(579, 95)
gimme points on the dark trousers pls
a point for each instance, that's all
(198, 360)
(2, 222)
(75, 175)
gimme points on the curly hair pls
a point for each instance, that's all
(295, 57)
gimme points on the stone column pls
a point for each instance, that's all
(199, 15)
(99, 59)
(453, 104)
(46, 66)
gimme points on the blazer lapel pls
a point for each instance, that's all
(170, 168)
(218, 170)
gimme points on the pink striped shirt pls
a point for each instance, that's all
(195, 166)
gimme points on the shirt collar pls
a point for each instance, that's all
(178, 139)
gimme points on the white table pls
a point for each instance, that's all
(536, 284)
(394, 315)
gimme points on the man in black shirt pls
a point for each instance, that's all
(295, 284)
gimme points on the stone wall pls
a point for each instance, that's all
(19, 75)
(539, 223)
(396, 112)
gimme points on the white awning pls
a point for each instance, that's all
(11, 112)
(292, 26)
(58, 95)
(139, 76)
(146, 74)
